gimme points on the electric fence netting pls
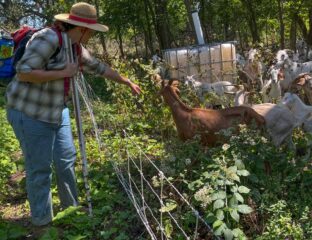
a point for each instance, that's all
(154, 211)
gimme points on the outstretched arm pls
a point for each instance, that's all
(115, 76)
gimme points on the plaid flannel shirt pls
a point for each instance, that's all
(45, 101)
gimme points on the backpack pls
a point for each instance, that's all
(6, 57)
(12, 49)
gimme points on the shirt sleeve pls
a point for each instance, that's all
(39, 49)
(91, 64)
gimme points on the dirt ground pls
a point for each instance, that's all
(15, 210)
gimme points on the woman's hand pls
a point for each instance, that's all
(115, 76)
(134, 88)
(70, 70)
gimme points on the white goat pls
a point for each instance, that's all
(301, 111)
(218, 88)
(291, 71)
(284, 54)
(254, 68)
(242, 97)
(279, 120)
(271, 91)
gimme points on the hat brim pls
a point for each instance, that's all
(64, 17)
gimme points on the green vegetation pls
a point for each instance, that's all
(138, 28)
(226, 184)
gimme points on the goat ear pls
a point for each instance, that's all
(307, 77)
(300, 81)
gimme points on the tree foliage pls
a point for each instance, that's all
(150, 24)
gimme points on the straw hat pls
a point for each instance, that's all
(83, 15)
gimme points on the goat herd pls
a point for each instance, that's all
(285, 98)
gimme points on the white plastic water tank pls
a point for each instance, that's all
(209, 63)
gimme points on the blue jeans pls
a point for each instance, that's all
(43, 143)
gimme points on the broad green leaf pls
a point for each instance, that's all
(218, 204)
(218, 195)
(67, 212)
(237, 232)
(227, 182)
(228, 234)
(169, 206)
(234, 214)
(234, 177)
(194, 184)
(233, 202)
(168, 229)
(243, 208)
(243, 189)
(220, 230)
(239, 197)
(217, 223)
(206, 174)
(220, 182)
(239, 164)
(242, 173)
(210, 217)
(233, 169)
(220, 214)
(234, 189)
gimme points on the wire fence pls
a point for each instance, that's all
(138, 185)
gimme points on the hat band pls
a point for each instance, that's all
(84, 20)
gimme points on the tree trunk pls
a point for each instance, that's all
(282, 25)
(148, 31)
(293, 34)
(120, 43)
(102, 39)
(135, 42)
(147, 54)
(252, 21)
(204, 20)
(190, 24)
(161, 25)
(306, 33)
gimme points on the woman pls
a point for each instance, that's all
(36, 107)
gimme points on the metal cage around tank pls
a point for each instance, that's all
(206, 63)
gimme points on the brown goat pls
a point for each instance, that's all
(206, 122)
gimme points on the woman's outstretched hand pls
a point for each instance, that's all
(136, 90)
